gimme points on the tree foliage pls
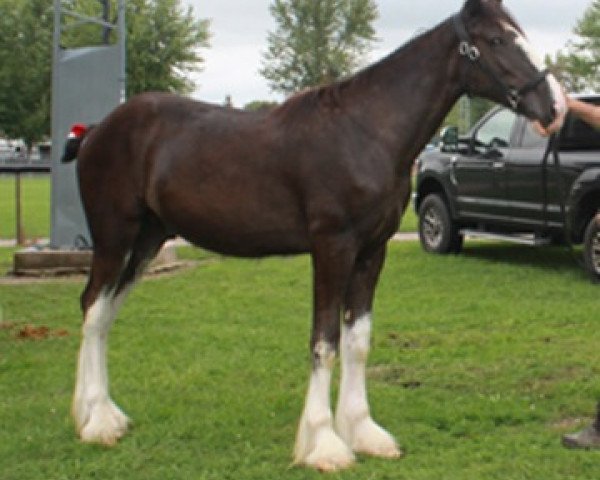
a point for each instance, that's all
(467, 112)
(260, 105)
(316, 41)
(578, 65)
(163, 47)
(25, 68)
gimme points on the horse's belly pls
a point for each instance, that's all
(243, 243)
(238, 228)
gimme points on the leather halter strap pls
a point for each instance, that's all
(469, 50)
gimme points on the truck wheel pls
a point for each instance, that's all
(437, 232)
(591, 248)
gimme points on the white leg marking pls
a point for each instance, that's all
(317, 444)
(353, 419)
(97, 418)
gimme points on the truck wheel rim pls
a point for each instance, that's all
(596, 252)
(432, 228)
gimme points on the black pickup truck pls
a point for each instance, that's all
(503, 181)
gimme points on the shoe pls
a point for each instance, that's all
(587, 438)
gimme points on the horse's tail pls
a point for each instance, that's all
(76, 136)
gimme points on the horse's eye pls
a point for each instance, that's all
(496, 41)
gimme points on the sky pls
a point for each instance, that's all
(239, 37)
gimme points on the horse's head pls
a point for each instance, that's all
(501, 65)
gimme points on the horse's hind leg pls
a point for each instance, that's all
(97, 418)
(353, 419)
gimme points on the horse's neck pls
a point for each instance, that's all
(406, 96)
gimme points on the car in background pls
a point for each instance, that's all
(504, 181)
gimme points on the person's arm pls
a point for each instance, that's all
(586, 111)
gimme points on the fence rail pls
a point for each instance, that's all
(17, 170)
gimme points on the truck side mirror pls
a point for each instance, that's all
(494, 149)
(449, 136)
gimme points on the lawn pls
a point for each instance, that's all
(480, 362)
(35, 201)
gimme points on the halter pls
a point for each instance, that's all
(469, 50)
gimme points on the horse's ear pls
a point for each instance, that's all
(473, 8)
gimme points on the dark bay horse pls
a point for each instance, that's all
(327, 172)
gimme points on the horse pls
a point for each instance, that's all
(325, 173)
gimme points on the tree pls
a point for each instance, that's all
(163, 46)
(477, 108)
(578, 65)
(163, 42)
(316, 41)
(25, 68)
(260, 106)
(572, 70)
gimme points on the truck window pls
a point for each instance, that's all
(532, 139)
(578, 135)
(496, 131)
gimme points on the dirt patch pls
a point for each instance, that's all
(400, 341)
(567, 424)
(33, 332)
(393, 375)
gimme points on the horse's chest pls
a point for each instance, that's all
(382, 217)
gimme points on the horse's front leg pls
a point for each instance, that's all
(353, 419)
(317, 444)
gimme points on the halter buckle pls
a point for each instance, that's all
(514, 98)
(469, 51)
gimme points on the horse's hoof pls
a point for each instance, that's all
(327, 454)
(367, 437)
(330, 462)
(587, 438)
(390, 453)
(105, 425)
(331, 466)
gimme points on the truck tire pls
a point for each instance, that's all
(437, 231)
(591, 248)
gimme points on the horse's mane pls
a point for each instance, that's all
(330, 97)
(315, 98)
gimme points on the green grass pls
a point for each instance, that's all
(409, 220)
(35, 198)
(6, 260)
(479, 363)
